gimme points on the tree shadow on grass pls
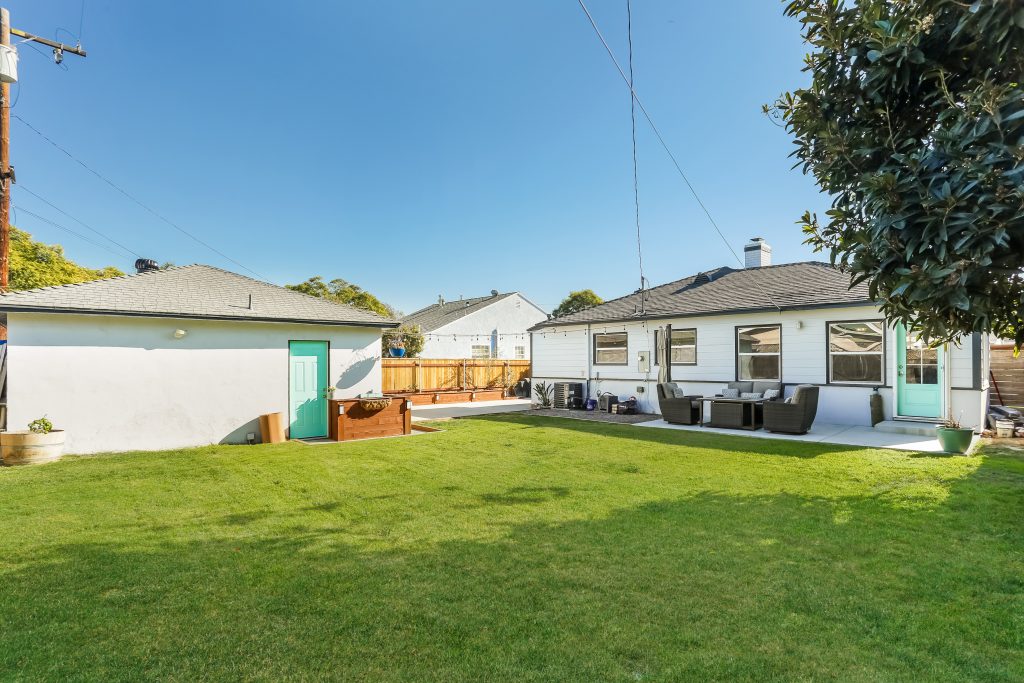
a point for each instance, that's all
(711, 586)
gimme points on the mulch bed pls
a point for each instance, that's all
(594, 416)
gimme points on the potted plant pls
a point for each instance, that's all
(41, 443)
(397, 348)
(953, 437)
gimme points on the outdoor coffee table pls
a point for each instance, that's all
(733, 413)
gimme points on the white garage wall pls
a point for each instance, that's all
(564, 354)
(121, 383)
(509, 318)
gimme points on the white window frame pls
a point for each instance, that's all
(739, 355)
(473, 351)
(830, 353)
(657, 340)
(625, 349)
(520, 352)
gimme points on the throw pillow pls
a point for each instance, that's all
(677, 391)
(789, 400)
(730, 393)
(771, 394)
(751, 394)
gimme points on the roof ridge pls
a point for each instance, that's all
(125, 276)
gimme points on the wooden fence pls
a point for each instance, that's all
(1008, 376)
(404, 375)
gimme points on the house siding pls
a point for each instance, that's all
(562, 353)
(117, 383)
(502, 318)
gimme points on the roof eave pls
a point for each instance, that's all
(195, 316)
(702, 314)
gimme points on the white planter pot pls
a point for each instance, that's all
(29, 448)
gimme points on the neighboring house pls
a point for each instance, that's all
(181, 357)
(799, 323)
(494, 326)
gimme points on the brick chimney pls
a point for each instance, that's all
(757, 253)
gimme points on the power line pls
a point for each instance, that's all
(79, 221)
(135, 200)
(632, 118)
(661, 140)
(79, 235)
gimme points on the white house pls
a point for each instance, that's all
(494, 326)
(181, 357)
(798, 323)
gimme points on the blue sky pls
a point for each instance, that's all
(415, 148)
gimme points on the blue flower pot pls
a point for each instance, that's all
(397, 353)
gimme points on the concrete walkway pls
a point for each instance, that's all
(440, 411)
(846, 435)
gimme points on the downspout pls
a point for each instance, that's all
(589, 359)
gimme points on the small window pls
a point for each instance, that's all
(610, 348)
(684, 346)
(520, 352)
(855, 352)
(481, 350)
(759, 352)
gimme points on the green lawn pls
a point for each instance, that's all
(515, 548)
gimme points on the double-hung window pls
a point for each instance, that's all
(684, 346)
(610, 348)
(759, 352)
(480, 350)
(856, 352)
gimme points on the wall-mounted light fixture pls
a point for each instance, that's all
(180, 334)
(799, 324)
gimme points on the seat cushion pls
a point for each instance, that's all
(765, 386)
(741, 386)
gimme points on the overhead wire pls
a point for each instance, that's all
(661, 140)
(78, 220)
(636, 188)
(22, 209)
(134, 199)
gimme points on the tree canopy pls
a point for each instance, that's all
(343, 292)
(914, 123)
(577, 301)
(34, 264)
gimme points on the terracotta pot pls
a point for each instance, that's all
(30, 448)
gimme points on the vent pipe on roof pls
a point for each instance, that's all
(757, 253)
(440, 300)
(145, 265)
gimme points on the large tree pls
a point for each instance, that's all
(34, 264)
(343, 292)
(577, 301)
(913, 122)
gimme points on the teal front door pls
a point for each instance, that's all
(307, 389)
(918, 376)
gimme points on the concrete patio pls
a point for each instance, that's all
(441, 411)
(845, 435)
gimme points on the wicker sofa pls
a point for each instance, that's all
(678, 410)
(795, 417)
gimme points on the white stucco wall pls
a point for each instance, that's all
(122, 383)
(564, 354)
(508, 319)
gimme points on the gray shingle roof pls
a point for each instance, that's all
(195, 291)
(728, 290)
(437, 315)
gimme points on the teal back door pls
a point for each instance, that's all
(918, 377)
(307, 389)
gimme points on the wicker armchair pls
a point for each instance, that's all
(795, 417)
(681, 411)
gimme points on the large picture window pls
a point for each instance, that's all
(684, 346)
(610, 349)
(759, 352)
(855, 352)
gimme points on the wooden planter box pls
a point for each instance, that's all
(424, 398)
(348, 420)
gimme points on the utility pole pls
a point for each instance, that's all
(6, 170)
